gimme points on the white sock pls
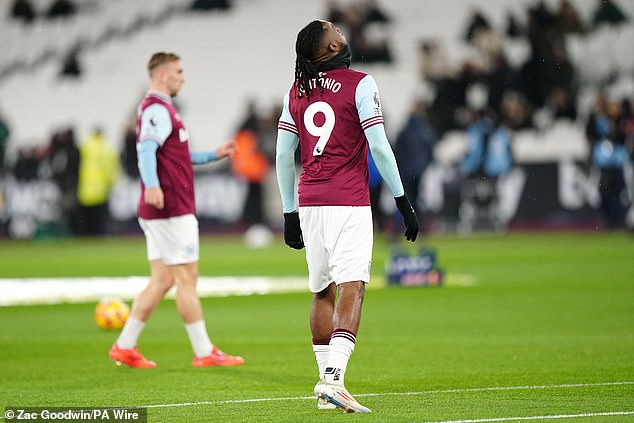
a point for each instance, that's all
(321, 355)
(130, 333)
(341, 347)
(198, 337)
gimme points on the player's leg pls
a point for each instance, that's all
(322, 310)
(160, 282)
(321, 319)
(124, 350)
(321, 285)
(323, 289)
(345, 323)
(187, 302)
(351, 253)
(346, 319)
(190, 309)
(145, 304)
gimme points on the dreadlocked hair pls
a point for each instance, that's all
(306, 48)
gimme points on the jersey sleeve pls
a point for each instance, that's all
(286, 122)
(287, 142)
(371, 118)
(202, 157)
(156, 124)
(146, 153)
(368, 103)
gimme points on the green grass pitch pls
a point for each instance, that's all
(545, 330)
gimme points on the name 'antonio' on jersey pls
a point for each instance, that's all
(334, 149)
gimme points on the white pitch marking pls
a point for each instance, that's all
(496, 388)
(439, 391)
(432, 392)
(549, 417)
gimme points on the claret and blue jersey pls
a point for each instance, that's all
(335, 127)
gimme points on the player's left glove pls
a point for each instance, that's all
(409, 217)
(293, 231)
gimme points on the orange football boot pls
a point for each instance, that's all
(217, 358)
(131, 357)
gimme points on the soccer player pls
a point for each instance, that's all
(167, 216)
(334, 114)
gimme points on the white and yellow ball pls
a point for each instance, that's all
(111, 313)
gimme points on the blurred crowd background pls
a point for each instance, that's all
(503, 115)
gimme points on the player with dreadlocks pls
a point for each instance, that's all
(334, 113)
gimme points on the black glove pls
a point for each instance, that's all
(292, 231)
(409, 217)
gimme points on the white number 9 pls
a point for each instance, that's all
(324, 131)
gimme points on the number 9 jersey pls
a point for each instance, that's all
(330, 126)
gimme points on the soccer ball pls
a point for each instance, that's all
(111, 313)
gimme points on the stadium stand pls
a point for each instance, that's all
(119, 36)
(247, 52)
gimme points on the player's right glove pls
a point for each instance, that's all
(409, 217)
(293, 231)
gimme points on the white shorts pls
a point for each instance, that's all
(338, 242)
(173, 240)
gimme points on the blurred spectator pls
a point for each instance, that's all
(373, 12)
(434, 62)
(608, 154)
(413, 150)
(489, 148)
(515, 111)
(27, 164)
(63, 159)
(592, 129)
(514, 28)
(568, 19)
(266, 132)
(562, 105)
(71, 67)
(250, 120)
(98, 171)
(4, 140)
(23, 10)
(477, 135)
(61, 9)
(488, 159)
(607, 12)
(333, 13)
(251, 165)
(128, 152)
(451, 98)
(354, 19)
(626, 125)
(477, 22)
(500, 78)
(548, 64)
(541, 20)
(561, 72)
(486, 39)
(210, 5)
